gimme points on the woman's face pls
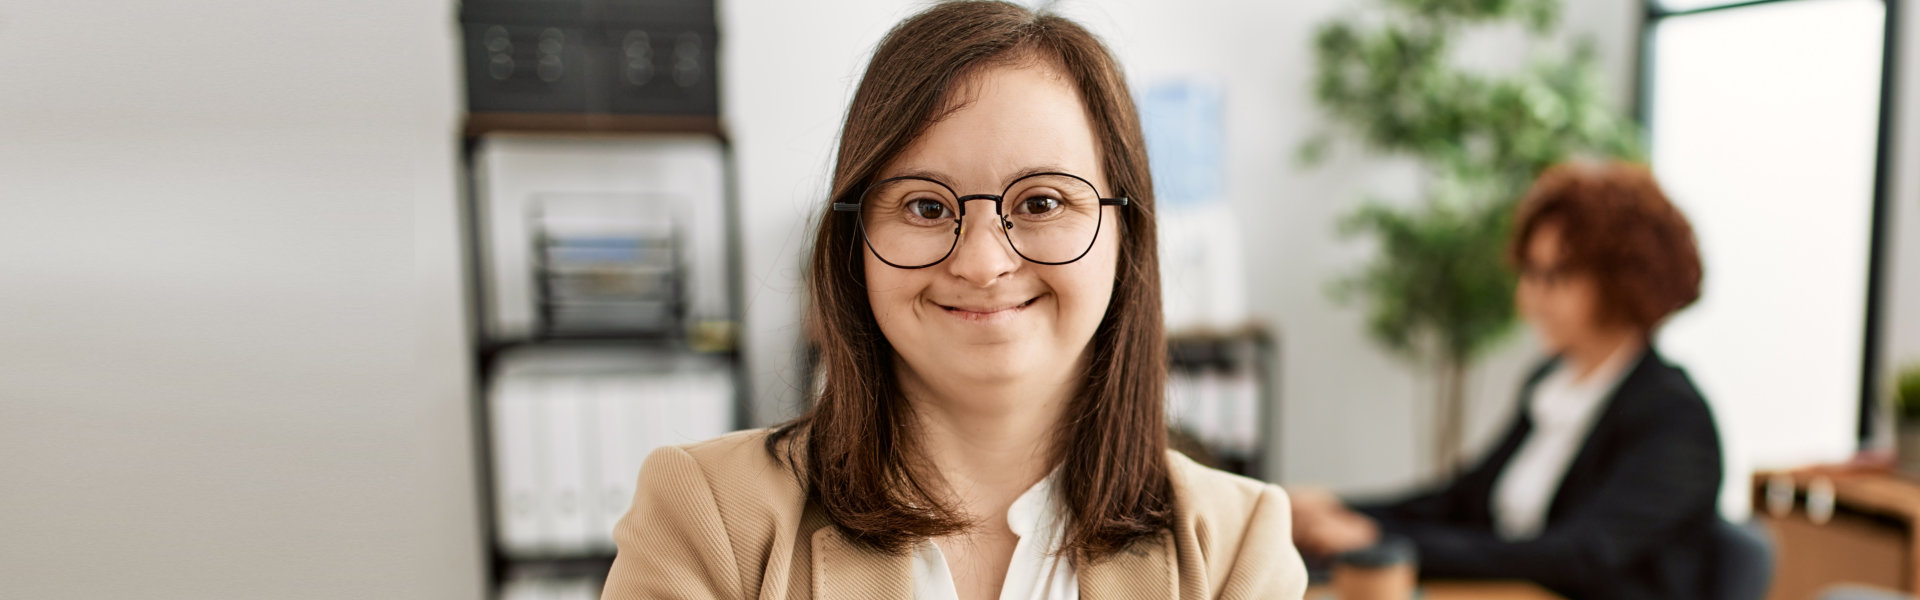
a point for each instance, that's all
(1561, 305)
(986, 315)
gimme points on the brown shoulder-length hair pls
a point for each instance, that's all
(860, 461)
(1617, 226)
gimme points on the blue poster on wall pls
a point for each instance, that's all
(1202, 275)
(1183, 127)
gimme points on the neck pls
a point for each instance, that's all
(988, 442)
(1586, 358)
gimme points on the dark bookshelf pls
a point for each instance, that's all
(484, 352)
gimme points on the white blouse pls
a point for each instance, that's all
(1563, 410)
(1035, 573)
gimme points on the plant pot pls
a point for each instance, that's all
(1907, 445)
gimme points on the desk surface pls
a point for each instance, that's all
(1460, 590)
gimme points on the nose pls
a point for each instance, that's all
(982, 255)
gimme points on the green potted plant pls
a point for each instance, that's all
(1437, 292)
(1906, 411)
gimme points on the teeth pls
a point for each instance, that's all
(1029, 302)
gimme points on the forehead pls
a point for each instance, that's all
(1544, 243)
(1005, 120)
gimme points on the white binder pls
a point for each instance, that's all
(517, 464)
(709, 407)
(527, 588)
(572, 426)
(578, 588)
(570, 524)
(621, 448)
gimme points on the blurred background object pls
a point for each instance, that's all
(1861, 592)
(1839, 524)
(1906, 407)
(1437, 291)
(604, 293)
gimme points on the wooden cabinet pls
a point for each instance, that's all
(1869, 538)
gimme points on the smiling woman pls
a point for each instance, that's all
(984, 292)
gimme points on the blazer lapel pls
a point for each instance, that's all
(1144, 571)
(1580, 469)
(843, 568)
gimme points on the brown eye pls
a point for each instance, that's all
(927, 209)
(1038, 205)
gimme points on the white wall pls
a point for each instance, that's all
(1348, 418)
(232, 362)
(787, 71)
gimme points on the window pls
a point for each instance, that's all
(1765, 125)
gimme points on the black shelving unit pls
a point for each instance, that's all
(1249, 349)
(485, 353)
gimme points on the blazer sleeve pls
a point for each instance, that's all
(1448, 501)
(672, 544)
(1267, 565)
(1666, 474)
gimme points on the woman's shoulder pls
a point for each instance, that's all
(741, 459)
(705, 517)
(738, 471)
(1662, 390)
(1242, 527)
(1211, 495)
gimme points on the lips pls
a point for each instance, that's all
(988, 312)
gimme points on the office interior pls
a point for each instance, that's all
(310, 300)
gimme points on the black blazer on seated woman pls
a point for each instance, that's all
(1629, 520)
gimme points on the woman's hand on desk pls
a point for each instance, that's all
(1324, 526)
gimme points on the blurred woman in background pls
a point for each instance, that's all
(1605, 483)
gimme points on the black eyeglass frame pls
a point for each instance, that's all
(961, 204)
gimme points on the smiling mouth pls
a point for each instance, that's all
(987, 313)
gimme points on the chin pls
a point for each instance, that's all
(1549, 344)
(994, 364)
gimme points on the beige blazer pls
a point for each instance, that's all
(722, 519)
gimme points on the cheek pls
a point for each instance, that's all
(891, 293)
(1544, 307)
(1085, 287)
(1083, 293)
(1582, 307)
(1568, 310)
(1566, 307)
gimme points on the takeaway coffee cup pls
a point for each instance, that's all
(1385, 571)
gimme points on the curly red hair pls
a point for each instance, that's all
(1617, 226)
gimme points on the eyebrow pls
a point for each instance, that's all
(943, 178)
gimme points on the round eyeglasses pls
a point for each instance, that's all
(915, 222)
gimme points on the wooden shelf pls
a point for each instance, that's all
(1887, 493)
(478, 124)
(593, 566)
(1257, 332)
